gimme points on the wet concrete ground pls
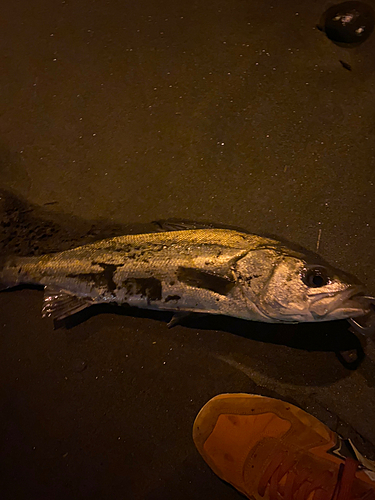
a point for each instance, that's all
(114, 114)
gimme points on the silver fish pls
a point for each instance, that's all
(210, 270)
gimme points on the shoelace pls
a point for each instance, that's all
(300, 487)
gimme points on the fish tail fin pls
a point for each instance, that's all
(11, 271)
(5, 280)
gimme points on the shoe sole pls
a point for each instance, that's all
(248, 404)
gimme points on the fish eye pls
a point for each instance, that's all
(315, 277)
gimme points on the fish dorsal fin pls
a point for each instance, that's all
(184, 225)
(59, 304)
(180, 225)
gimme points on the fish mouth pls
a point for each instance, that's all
(358, 301)
(365, 324)
(349, 303)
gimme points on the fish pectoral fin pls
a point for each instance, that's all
(60, 304)
(178, 317)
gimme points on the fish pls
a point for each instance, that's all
(192, 269)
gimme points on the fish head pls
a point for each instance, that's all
(301, 288)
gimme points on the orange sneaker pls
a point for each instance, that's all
(272, 450)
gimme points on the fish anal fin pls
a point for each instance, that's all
(59, 304)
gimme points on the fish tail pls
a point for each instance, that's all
(12, 272)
